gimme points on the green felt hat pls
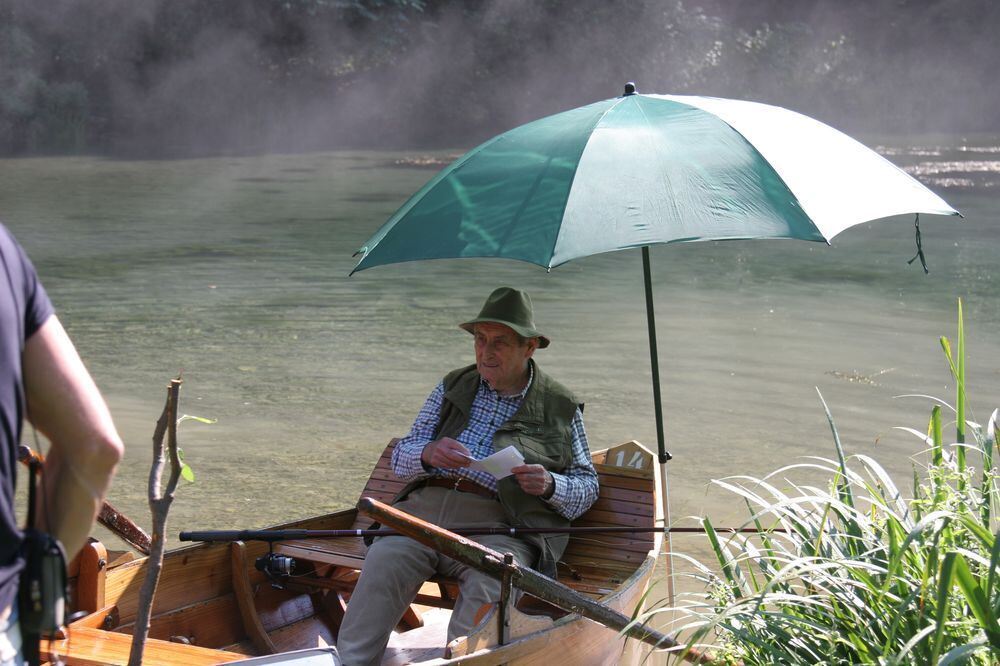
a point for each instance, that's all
(510, 307)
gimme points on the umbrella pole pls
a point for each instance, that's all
(661, 448)
(654, 361)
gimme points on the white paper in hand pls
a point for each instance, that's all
(500, 463)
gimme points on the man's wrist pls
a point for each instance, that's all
(550, 488)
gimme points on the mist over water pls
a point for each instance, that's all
(182, 77)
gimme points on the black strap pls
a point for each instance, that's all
(920, 248)
(30, 638)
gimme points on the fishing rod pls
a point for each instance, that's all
(289, 535)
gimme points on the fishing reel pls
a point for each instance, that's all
(275, 567)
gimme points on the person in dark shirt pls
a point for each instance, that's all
(43, 379)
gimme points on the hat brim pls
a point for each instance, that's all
(524, 332)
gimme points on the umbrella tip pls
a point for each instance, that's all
(629, 88)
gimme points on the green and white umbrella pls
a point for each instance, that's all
(638, 170)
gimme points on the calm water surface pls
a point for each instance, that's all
(235, 271)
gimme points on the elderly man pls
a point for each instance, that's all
(503, 400)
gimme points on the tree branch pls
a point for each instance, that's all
(159, 505)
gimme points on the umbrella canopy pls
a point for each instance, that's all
(638, 170)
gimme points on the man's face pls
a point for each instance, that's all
(501, 358)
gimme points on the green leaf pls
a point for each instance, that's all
(946, 346)
(960, 390)
(943, 603)
(937, 439)
(186, 470)
(976, 598)
(200, 419)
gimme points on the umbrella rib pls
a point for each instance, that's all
(369, 247)
(524, 203)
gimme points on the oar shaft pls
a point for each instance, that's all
(490, 562)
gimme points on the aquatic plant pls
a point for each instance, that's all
(855, 572)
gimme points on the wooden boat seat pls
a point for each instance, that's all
(593, 564)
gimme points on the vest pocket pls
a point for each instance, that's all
(551, 452)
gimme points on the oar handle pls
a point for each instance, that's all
(244, 535)
(109, 516)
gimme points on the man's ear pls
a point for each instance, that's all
(532, 346)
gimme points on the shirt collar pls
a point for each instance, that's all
(520, 395)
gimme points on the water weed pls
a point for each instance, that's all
(854, 571)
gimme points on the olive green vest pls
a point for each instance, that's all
(541, 430)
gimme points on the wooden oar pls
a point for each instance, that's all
(288, 535)
(109, 516)
(492, 563)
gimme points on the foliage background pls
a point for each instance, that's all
(192, 77)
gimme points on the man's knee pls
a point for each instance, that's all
(388, 554)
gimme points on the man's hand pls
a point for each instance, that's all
(534, 480)
(445, 453)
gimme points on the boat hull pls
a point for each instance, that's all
(212, 605)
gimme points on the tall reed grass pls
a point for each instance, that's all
(857, 572)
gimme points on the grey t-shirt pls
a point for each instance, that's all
(24, 307)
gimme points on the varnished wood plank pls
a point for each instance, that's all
(598, 517)
(215, 623)
(619, 481)
(92, 565)
(625, 495)
(189, 575)
(245, 601)
(384, 474)
(520, 625)
(350, 553)
(104, 618)
(609, 554)
(616, 506)
(92, 647)
(610, 542)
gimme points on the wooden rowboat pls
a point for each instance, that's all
(213, 605)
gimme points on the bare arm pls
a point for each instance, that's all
(65, 405)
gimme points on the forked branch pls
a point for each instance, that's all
(159, 505)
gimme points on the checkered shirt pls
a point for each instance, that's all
(575, 488)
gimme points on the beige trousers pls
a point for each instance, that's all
(396, 566)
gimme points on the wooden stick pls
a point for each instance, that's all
(159, 504)
(116, 521)
(491, 563)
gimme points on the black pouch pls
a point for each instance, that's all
(42, 586)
